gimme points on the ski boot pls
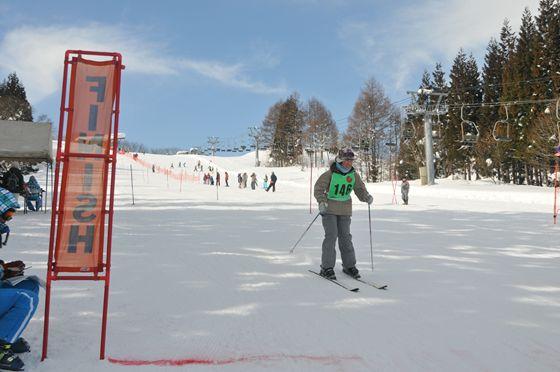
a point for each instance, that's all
(352, 271)
(21, 346)
(8, 360)
(328, 273)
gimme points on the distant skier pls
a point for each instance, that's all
(332, 191)
(245, 177)
(272, 184)
(217, 178)
(265, 182)
(253, 181)
(153, 168)
(240, 180)
(226, 178)
(405, 186)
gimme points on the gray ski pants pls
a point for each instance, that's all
(337, 227)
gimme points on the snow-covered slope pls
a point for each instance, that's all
(202, 275)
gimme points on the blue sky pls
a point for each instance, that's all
(213, 68)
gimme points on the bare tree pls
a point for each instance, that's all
(321, 133)
(367, 127)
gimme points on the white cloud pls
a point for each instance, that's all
(37, 54)
(424, 33)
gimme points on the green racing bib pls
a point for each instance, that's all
(341, 186)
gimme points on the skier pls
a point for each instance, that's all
(244, 178)
(272, 184)
(332, 191)
(217, 178)
(265, 182)
(253, 181)
(226, 178)
(405, 186)
(239, 180)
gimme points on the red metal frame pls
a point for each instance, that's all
(556, 186)
(110, 157)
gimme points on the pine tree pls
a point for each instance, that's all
(13, 100)
(464, 90)
(546, 66)
(439, 84)
(288, 132)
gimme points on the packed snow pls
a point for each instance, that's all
(202, 278)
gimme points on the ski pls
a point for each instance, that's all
(371, 284)
(336, 282)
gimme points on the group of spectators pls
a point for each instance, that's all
(19, 294)
(267, 184)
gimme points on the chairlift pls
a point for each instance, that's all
(501, 129)
(469, 131)
(408, 130)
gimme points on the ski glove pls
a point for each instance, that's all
(369, 199)
(323, 206)
(13, 268)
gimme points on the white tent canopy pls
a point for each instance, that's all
(25, 141)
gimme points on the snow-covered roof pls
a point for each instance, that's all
(25, 141)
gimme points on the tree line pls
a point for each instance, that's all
(511, 104)
(293, 130)
(512, 100)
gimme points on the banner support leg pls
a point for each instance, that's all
(46, 320)
(104, 320)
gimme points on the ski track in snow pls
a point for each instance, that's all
(472, 269)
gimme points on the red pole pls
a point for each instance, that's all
(54, 207)
(310, 181)
(555, 211)
(119, 67)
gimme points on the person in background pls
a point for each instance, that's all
(8, 206)
(253, 181)
(272, 184)
(33, 193)
(226, 178)
(405, 187)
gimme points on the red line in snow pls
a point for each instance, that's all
(187, 361)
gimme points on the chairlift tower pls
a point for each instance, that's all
(427, 103)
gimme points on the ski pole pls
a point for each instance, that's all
(302, 235)
(370, 238)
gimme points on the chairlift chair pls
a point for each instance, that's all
(469, 131)
(408, 130)
(501, 129)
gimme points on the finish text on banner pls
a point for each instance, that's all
(80, 235)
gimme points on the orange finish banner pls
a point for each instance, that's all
(83, 193)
